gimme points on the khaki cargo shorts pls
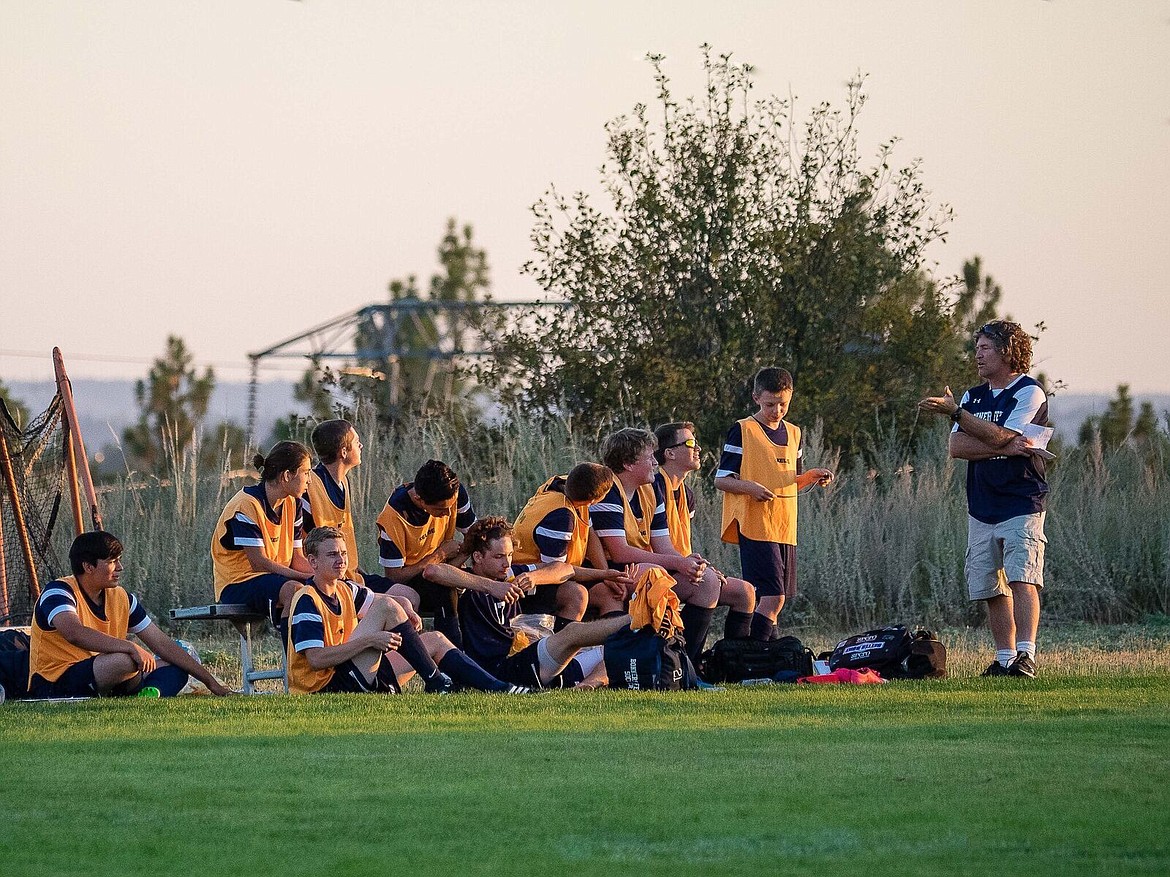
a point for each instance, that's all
(1012, 551)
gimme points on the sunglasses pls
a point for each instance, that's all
(689, 443)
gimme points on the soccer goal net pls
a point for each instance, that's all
(33, 462)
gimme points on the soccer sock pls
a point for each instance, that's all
(775, 633)
(1027, 646)
(415, 652)
(1005, 656)
(561, 623)
(696, 623)
(469, 674)
(738, 624)
(762, 627)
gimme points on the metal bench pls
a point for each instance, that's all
(241, 618)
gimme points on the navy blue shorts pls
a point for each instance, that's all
(348, 679)
(769, 566)
(523, 668)
(78, 681)
(258, 593)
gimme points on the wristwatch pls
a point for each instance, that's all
(957, 414)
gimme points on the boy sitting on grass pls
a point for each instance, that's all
(344, 638)
(568, 658)
(80, 624)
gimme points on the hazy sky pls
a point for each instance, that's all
(237, 171)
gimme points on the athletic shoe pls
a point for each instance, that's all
(517, 689)
(1023, 665)
(440, 683)
(996, 669)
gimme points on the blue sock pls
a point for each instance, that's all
(469, 674)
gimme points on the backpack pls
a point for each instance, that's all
(14, 658)
(893, 652)
(644, 661)
(734, 660)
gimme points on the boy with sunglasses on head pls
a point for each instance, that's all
(678, 456)
(760, 473)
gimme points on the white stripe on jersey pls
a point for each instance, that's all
(240, 516)
(304, 616)
(607, 507)
(732, 449)
(248, 543)
(555, 534)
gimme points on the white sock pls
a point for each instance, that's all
(1005, 656)
(1026, 646)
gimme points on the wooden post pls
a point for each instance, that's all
(76, 441)
(34, 585)
(4, 610)
(71, 477)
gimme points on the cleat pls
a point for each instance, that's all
(440, 683)
(518, 689)
(1023, 665)
(996, 669)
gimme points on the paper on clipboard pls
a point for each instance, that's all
(1039, 436)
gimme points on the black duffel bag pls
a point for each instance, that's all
(644, 661)
(734, 660)
(893, 652)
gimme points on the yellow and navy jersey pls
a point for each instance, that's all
(318, 621)
(248, 521)
(638, 519)
(550, 528)
(118, 614)
(407, 534)
(326, 504)
(771, 457)
(680, 510)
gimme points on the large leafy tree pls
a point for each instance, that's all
(737, 236)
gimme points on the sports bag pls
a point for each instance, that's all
(734, 660)
(894, 652)
(644, 661)
(14, 656)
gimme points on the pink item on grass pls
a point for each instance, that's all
(844, 676)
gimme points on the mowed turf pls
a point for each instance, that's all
(1067, 775)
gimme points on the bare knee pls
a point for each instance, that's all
(392, 612)
(437, 644)
(407, 593)
(738, 595)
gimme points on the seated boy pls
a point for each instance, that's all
(570, 657)
(80, 624)
(678, 456)
(631, 524)
(554, 528)
(417, 528)
(344, 638)
(327, 501)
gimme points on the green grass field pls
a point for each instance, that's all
(1064, 775)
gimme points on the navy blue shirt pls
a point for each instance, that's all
(1002, 488)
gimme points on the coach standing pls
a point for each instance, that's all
(1006, 490)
